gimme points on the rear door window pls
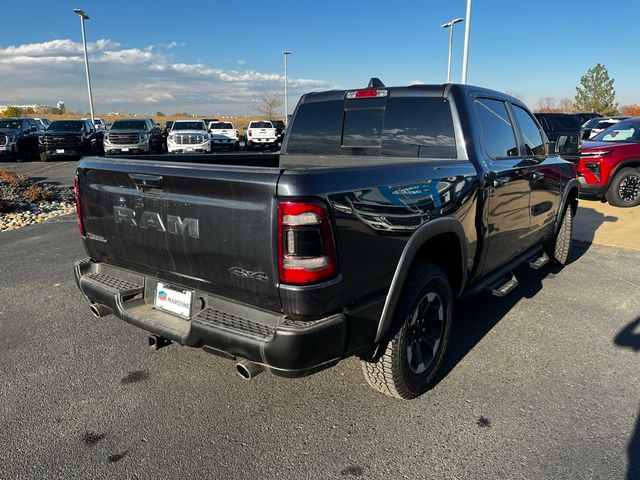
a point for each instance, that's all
(497, 130)
(530, 135)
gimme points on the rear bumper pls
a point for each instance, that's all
(283, 346)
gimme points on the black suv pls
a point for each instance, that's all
(133, 136)
(70, 138)
(19, 137)
(280, 129)
(556, 124)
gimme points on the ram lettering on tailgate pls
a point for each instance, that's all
(188, 227)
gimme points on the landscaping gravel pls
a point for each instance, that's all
(24, 202)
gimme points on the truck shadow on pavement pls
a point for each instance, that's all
(587, 221)
(629, 337)
(473, 320)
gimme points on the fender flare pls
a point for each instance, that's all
(571, 184)
(417, 240)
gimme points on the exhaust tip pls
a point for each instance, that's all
(99, 311)
(248, 370)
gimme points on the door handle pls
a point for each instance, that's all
(500, 181)
(537, 175)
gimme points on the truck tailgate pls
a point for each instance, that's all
(211, 227)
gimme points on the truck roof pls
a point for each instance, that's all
(423, 90)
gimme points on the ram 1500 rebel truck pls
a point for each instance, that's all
(133, 136)
(188, 136)
(70, 138)
(384, 206)
(261, 134)
(609, 165)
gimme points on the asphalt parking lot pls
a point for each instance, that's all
(540, 384)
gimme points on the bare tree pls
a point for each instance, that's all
(565, 105)
(515, 94)
(267, 105)
(547, 104)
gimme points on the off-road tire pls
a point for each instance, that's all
(559, 249)
(627, 174)
(391, 374)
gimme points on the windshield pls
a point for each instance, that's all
(220, 125)
(66, 125)
(13, 124)
(129, 125)
(260, 125)
(591, 123)
(627, 131)
(187, 126)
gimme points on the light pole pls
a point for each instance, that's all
(450, 25)
(286, 93)
(83, 17)
(467, 31)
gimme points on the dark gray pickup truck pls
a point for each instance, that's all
(384, 205)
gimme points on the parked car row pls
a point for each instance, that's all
(24, 138)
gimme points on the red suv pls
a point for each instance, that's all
(609, 165)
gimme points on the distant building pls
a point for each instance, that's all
(60, 106)
(35, 109)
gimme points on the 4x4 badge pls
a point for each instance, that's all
(241, 272)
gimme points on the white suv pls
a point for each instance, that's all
(261, 133)
(189, 136)
(224, 134)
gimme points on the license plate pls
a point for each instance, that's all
(60, 150)
(125, 149)
(173, 299)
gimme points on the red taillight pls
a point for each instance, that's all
(306, 250)
(249, 132)
(78, 210)
(367, 93)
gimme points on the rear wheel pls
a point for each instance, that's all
(412, 359)
(624, 190)
(559, 248)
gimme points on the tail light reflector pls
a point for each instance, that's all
(78, 209)
(306, 248)
(249, 132)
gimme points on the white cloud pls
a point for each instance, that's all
(133, 78)
(416, 82)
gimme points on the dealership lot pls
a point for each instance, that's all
(539, 384)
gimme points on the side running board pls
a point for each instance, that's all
(504, 285)
(538, 261)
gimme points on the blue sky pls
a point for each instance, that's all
(156, 55)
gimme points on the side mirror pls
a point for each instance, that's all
(567, 145)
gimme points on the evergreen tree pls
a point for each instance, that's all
(596, 92)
